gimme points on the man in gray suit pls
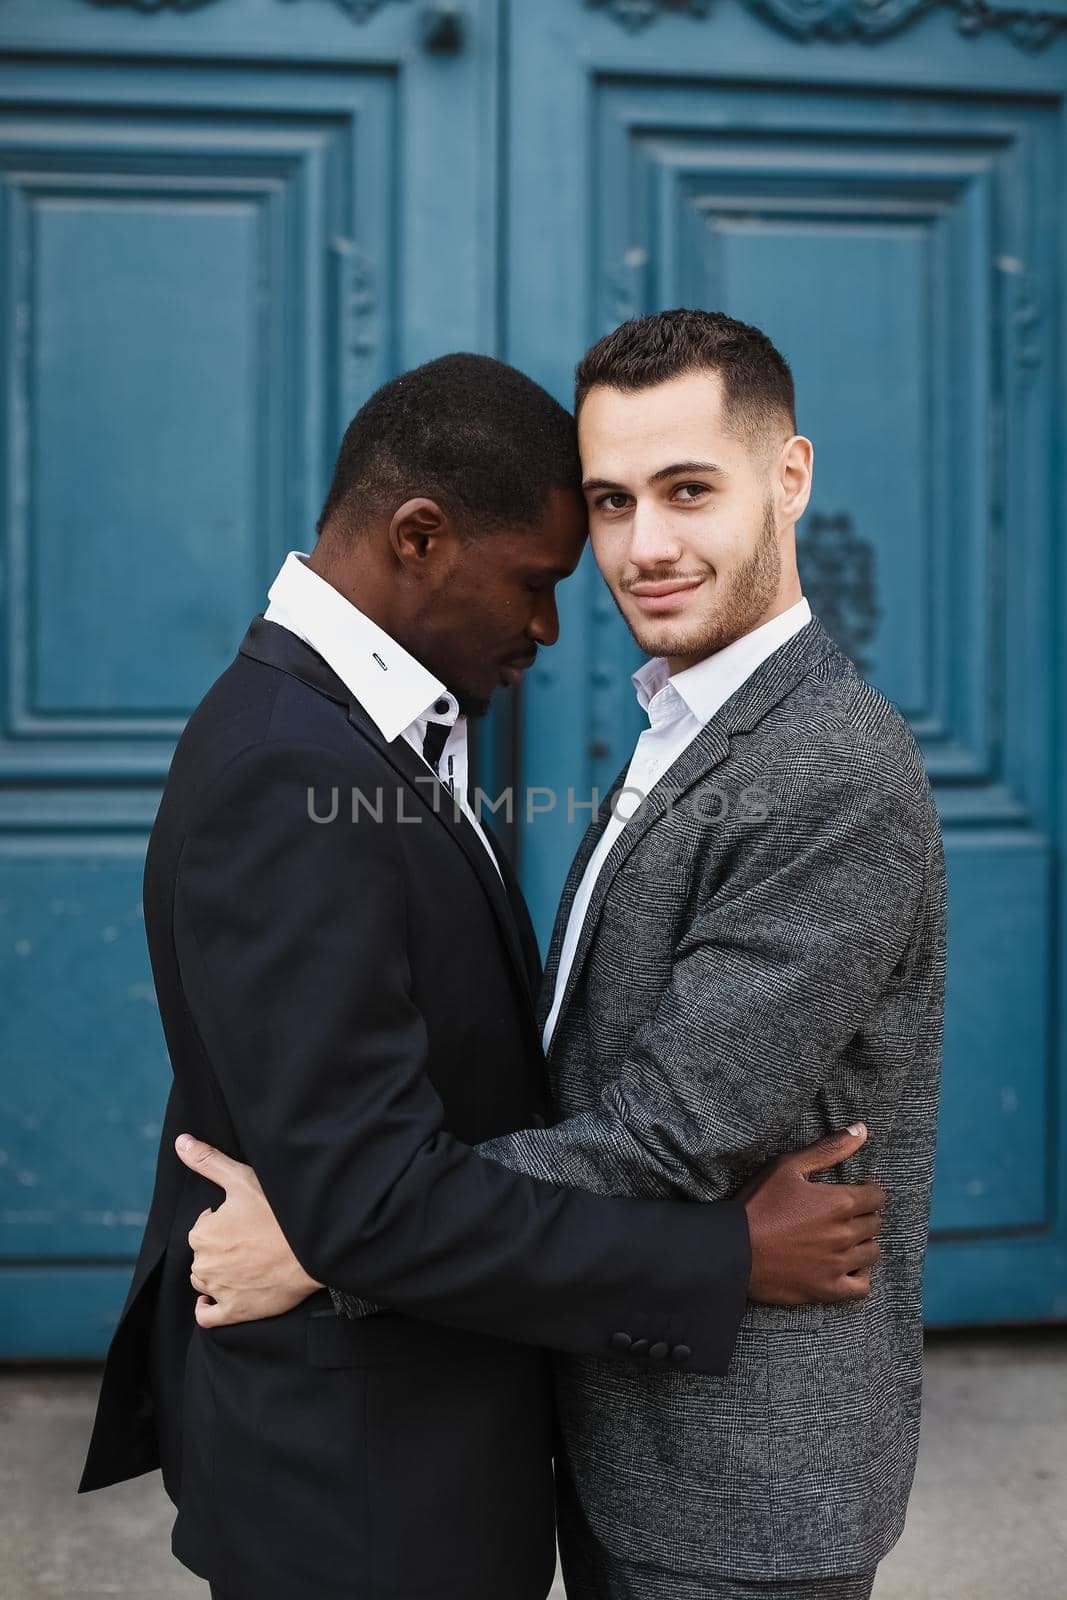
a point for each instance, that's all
(750, 956)
(749, 953)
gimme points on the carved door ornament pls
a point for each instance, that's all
(358, 10)
(838, 574)
(1031, 23)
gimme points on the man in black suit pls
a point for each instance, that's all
(345, 972)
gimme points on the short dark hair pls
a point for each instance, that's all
(757, 382)
(474, 434)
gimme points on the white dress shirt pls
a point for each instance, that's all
(397, 692)
(677, 708)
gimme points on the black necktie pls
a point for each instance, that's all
(434, 742)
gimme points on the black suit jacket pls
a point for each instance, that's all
(348, 1006)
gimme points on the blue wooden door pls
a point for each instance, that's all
(222, 224)
(883, 193)
(222, 227)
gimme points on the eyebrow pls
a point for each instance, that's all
(677, 469)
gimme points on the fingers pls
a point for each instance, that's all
(857, 1230)
(861, 1258)
(198, 1283)
(208, 1313)
(831, 1150)
(863, 1202)
(197, 1237)
(851, 1286)
(211, 1313)
(866, 1197)
(208, 1162)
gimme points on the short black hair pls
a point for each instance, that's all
(478, 436)
(757, 382)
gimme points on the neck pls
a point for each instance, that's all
(789, 595)
(365, 592)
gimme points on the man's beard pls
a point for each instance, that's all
(741, 603)
(471, 707)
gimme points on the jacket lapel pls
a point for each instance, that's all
(590, 839)
(278, 647)
(520, 911)
(435, 799)
(746, 708)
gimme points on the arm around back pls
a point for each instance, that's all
(784, 961)
(291, 938)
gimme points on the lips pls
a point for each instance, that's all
(512, 671)
(665, 596)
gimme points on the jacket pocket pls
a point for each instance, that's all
(391, 1340)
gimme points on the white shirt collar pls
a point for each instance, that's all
(704, 688)
(392, 687)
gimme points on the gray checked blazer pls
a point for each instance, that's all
(762, 962)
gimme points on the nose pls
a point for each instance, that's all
(654, 541)
(543, 626)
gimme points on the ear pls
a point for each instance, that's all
(420, 533)
(796, 464)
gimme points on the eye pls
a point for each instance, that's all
(691, 491)
(611, 502)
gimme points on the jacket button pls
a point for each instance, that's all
(639, 1347)
(681, 1352)
(621, 1341)
(659, 1351)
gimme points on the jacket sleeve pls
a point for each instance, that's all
(291, 941)
(780, 965)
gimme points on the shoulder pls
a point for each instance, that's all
(267, 755)
(258, 723)
(838, 731)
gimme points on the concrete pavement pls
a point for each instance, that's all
(988, 1518)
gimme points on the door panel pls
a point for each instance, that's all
(180, 389)
(83, 1052)
(212, 255)
(900, 249)
(996, 1159)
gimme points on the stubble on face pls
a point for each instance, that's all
(740, 603)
